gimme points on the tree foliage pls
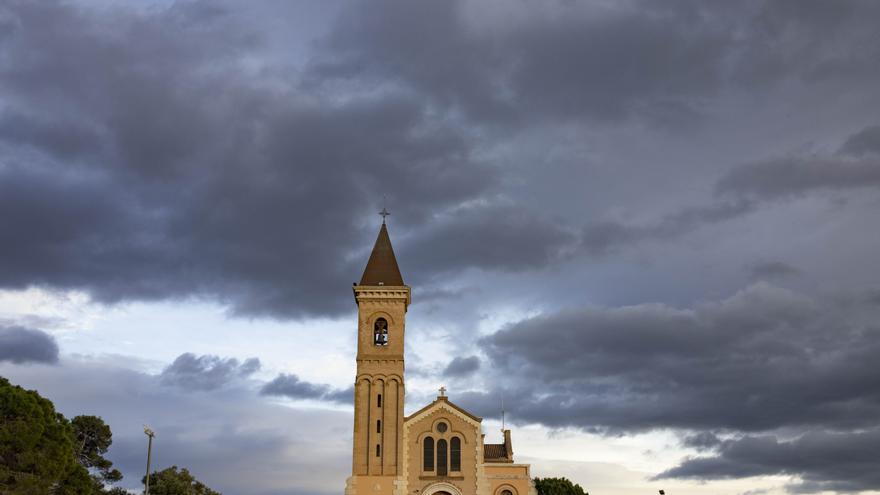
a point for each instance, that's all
(558, 486)
(36, 446)
(42, 452)
(91, 439)
(171, 481)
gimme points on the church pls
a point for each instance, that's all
(440, 448)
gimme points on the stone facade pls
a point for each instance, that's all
(436, 450)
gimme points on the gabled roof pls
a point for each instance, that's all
(382, 266)
(446, 402)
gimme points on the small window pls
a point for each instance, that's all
(455, 455)
(442, 427)
(428, 464)
(378, 450)
(379, 400)
(378, 426)
(441, 458)
(507, 492)
(380, 332)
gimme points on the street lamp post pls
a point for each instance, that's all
(150, 435)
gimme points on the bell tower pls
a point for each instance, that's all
(382, 300)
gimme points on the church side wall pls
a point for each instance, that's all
(513, 477)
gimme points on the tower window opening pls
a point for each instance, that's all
(455, 454)
(378, 426)
(380, 332)
(378, 450)
(441, 458)
(379, 400)
(428, 464)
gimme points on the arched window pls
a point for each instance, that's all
(428, 464)
(380, 332)
(455, 454)
(441, 458)
(378, 426)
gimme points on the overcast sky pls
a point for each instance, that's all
(651, 228)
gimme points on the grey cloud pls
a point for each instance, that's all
(290, 386)
(703, 440)
(207, 372)
(488, 237)
(61, 139)
(605, 237)
(27, 345)
(461, 367)
(866, 141)
(750, 362)
(340, 395)
(772, 270)
(793, 176)
(825, 461)
(649, 64)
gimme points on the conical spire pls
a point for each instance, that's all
(382, 267)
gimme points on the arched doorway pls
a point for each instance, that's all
(441, 488)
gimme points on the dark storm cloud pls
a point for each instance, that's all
(825, 461)
(27, 345)
(203, 181)
(290, 386)
(171, 152)
(764, 358)
(580, 62)
(461, 367)
(660, 62)
(207, 372)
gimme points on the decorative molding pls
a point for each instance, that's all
(506, 486)
(439, 404)
(441, 487)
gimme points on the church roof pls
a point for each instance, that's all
(382, 267)
(494, 451)
(499, 452)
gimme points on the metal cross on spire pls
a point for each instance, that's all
(384, 211)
